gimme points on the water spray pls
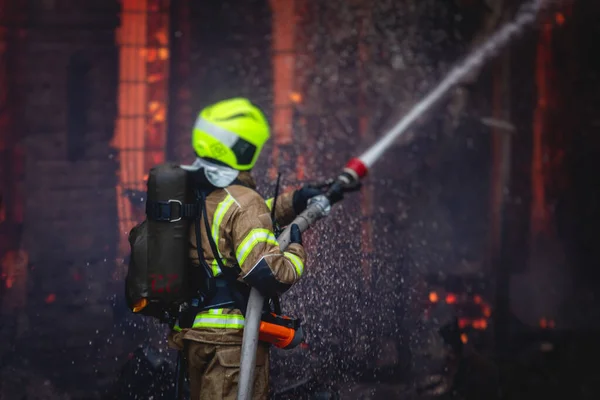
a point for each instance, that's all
(526, 15)
(357, 168)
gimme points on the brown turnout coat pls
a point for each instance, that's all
(240, 223)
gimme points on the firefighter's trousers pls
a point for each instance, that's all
(214, 371)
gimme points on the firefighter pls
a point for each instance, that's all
(227, 138)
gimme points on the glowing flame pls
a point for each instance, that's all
(487, 311)
(296, 97)
(480, 324)
(153, 78)
(451, 298)
(141, 130)
(163, 54)
(433, 297)
(162, 38)
(546, 323)
(560, 19)
(14, 268)
(464, 338)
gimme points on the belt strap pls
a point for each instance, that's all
(228, 294)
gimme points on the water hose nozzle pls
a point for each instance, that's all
(356, 168)
(347, 181)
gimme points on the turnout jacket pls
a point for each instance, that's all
(241, 227)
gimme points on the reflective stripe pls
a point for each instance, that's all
(220, 212)
(224, 136)
(253, 238)
(216, 270)
(215, 319)
(270, 203)
(298, 264)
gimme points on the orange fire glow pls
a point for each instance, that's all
(546, 323)
(451, 298)
(14, 268)
(539, 208)
(480, 324)
(141, 126)
(51, 298)
(296, 97)
(300, 167)
(464, 338)
(487, 311)
(433, 297)
(560, 19)
(284, 58)
(463, 322)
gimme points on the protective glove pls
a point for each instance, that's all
(301, 197)
(295, 234)
(337, 190)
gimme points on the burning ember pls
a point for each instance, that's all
(51, 298)
(433, 297)
(547, 323)
(472, 311)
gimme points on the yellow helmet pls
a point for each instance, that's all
(232, 132)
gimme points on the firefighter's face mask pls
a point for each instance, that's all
(218, 175)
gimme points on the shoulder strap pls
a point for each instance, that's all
(276, 227)
(229, 274)
(213, 246)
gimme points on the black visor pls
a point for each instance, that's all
(244, 151)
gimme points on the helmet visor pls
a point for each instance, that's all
(218, 175)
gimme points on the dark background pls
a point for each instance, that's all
(436, 213)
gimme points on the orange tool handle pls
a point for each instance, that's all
(279, 336)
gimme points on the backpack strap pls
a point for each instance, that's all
(272, 301)
(237, 293)
(170, 210)
(203, 282)
(229, 274)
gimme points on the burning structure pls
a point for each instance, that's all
(480, 219)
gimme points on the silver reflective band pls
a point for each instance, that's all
(222, 135)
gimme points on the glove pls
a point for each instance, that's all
(337, 190)
(301, 197)
(295, 234)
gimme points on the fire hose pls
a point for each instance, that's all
(318, 208)
(356, 169)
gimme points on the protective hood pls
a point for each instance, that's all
(218, 175)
